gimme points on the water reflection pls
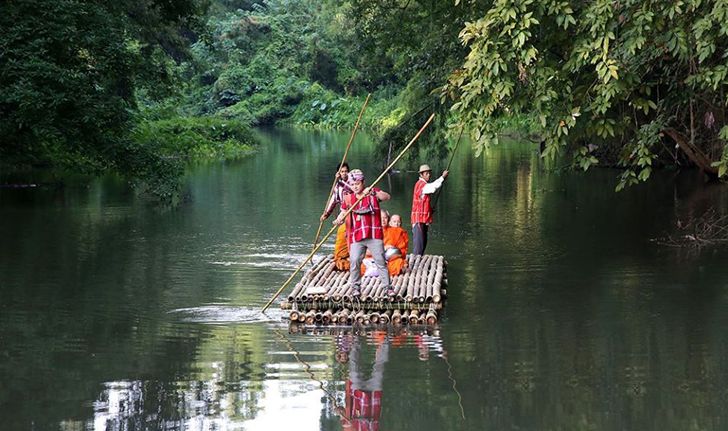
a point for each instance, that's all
(562, 314)
(303, 389)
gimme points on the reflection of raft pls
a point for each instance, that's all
(324, 295)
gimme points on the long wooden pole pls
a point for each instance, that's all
(348, 211)
(454, 150)
(452, 156)
(343, 159)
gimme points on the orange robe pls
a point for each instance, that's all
(341, 250)
(397, 237)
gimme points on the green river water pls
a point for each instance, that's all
(562, 313)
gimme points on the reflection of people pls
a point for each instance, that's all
(363, 406)
(421, 209)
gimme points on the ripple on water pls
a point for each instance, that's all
(272, 261)
(220, 314)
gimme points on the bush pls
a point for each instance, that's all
(195, 139)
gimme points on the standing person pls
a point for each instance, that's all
(340, 190)
(364, 230)
(421, 209)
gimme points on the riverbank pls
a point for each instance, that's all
(153, 157)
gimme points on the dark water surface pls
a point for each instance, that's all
(563, 315)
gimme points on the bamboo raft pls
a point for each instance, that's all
(323, 296)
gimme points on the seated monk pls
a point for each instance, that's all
(396, 241)
(341, 250)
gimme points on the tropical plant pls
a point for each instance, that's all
(636, 83)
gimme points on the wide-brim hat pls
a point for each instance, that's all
(424, 168)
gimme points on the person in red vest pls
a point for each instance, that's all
(364, 230)
(421, 209)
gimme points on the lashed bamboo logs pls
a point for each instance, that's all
(325, 297)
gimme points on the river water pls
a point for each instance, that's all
(562, 312)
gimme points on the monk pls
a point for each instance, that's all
(341, 249)
(396, 241)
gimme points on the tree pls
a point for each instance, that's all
(610, 81)
(71, 70)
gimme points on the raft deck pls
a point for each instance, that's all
(324, 295)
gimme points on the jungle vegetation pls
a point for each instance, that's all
(136, 86)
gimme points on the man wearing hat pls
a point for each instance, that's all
(364, 229)
(421, 209)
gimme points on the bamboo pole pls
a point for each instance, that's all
(385, 317)
(452, 156)
(396, 317)
(397, 283)
(310, 317)
(431, 317)
(404, 150)
(327, 316)
(366, 288)
(336, 295)
(437, 284)
(343, 315)
(374, 317)
(431, 279)
(343, 159)
(411, 282)
(414, 317)
(405, 317)
(422, 279)
(295, 292)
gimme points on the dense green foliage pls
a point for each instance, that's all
(632, 83)
(162, 148)
(312, 63)
(73, 74)
(71, 69)
(638, 83)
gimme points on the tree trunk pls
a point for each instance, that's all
(694, 154)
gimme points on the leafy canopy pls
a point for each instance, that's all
(610, 81)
